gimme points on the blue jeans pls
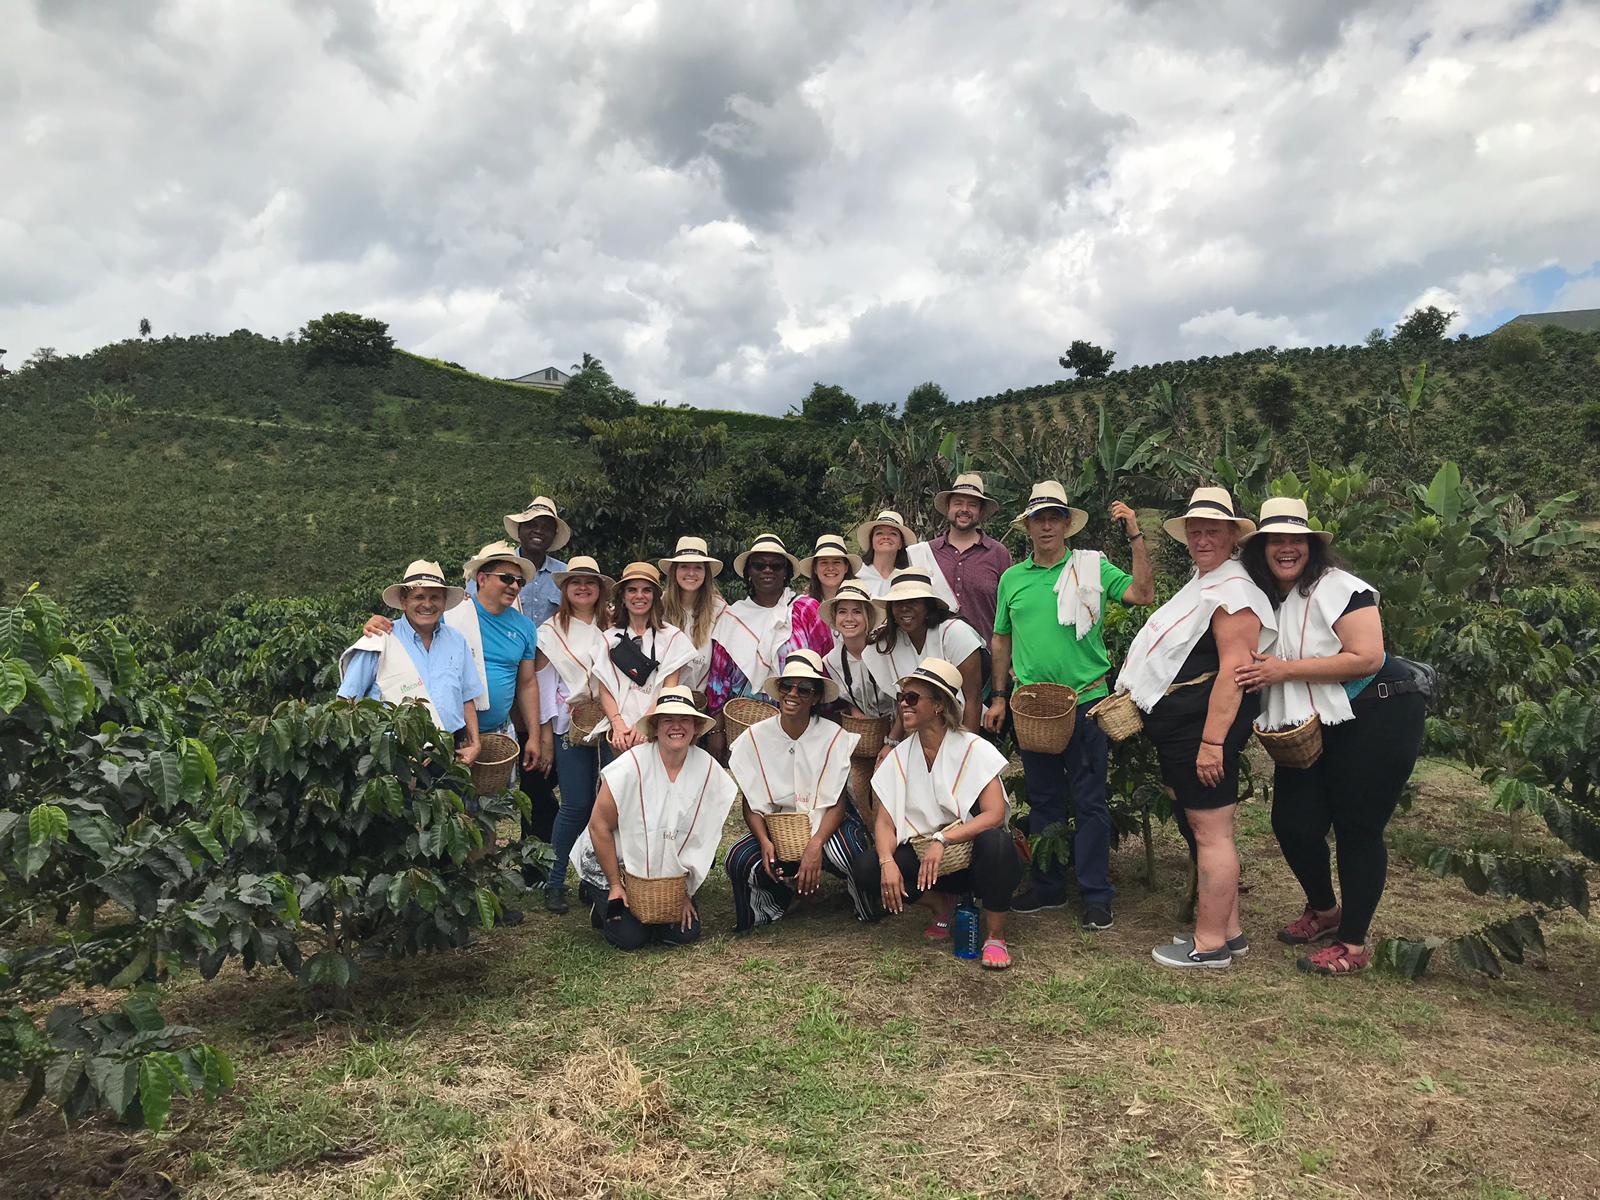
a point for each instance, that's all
(578, 774)
(1081, 772)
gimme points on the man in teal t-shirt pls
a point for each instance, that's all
(1031, 645)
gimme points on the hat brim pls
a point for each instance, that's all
(524, 567)
(738, 562)
(561, 578)
(563, 530)
(864, 533)
(624, 579)
(954, 699)
(808, 565)
(830, 689)
(714, 565)
(877, 614)
(1076, 517)
(647, 723)
(452, 595)
(1176, 531)
(941, 504)
(930, 596)
(1271, 527)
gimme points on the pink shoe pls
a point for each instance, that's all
(1336, 959)
(995, 956)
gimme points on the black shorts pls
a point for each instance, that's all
(1176, 726)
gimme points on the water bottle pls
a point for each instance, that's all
(964, 938)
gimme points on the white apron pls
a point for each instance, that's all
(923, 801)
(1305, 630)
(566, 678)
(856, 685)
(954, 641)
(670, 647)
(778, 773)
(398, 678)
(754, 637)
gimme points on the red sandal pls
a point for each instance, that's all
(1311, 926)
(1337, 959)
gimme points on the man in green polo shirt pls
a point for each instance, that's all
(1049, 630)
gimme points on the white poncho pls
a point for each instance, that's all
(922, 801)
(1305, 630)
(669, 646)
(754, 636)
(953, 640)
(569, 653)
(778, 773)
(856, 684)
(919, 557)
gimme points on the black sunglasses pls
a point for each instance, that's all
(507, 578)
(799, 688)
(768, 564)
(909, 699)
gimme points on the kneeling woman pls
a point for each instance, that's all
(659, 815)
(942, 784)
(796, 764)
(1329, 663)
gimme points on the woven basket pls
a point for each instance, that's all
(1297, 747)
(585, 715)
(742, 712)
(791, 833)
(656, 901)
(957, 855)
(491, 774)
(1043, 715)
(861, 790)
(872, 730)
(1118, 716)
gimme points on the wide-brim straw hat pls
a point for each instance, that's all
(540, 506)
(1286, 514)
(887, 517)
(911, 584)
(970, 484)
(423, 573)
(944, 677)
(767, 543)
(495, 551)
(1211, 504)
(646, 571)
(877, 614)
(580, 567)
(1048, 494)
(804, 665)
(690, 550)
(674, 702)
(829, 545)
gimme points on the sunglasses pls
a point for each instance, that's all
(768, 564)
(909, 699)
(787, 686)
(507, 578)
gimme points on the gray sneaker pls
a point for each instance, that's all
(1183, 954)
(1237, 946)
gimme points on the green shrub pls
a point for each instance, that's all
(1513, 345)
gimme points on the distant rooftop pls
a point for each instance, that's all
(550, 378)
(1579, 320)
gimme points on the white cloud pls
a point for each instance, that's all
(728, 201)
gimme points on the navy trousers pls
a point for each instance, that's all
(1078, 772)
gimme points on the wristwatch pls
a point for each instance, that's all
(939, 837)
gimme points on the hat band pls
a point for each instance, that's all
(1301, 522)
(675, 702)
(425, 580)
(924, 673)
(761, 544)
(1038, 503)
(912, 577)
(1210, 506)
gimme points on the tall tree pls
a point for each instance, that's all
(1087, 359)
(829, 404)
(1424, 326)
(144, 327)
(926, 400)
(347, 338)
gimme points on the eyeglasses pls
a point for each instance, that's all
(509, 579)
(798, 688)
(909, 699)
(767, 564)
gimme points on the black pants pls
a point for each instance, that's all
(541, 790)
(626, 932)
(993, 876)
(1352, 789)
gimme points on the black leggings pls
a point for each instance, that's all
(1352, 789)
(626, 932)
(993, 876)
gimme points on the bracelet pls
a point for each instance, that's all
(1134, 537)
(884, 862)
(999, 695)
(1209, 742)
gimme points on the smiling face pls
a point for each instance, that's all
(1287, 557)
(535, 536)
(887, 539)
(691, 577)
(423, 606)
(851, 619)
(924, 714)
(676, 732)
(767, 574)
(584, 594)
(1210, 542)
(964, 512)
(1048, 531)
(797, 697)
(638, 597)
(831, 570)
(909, 615)
(499, 584)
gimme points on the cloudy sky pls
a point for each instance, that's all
(726, 201)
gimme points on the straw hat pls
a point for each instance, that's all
(540, 506)
(912, 584)
(1286, 514)
(803, 664)
(423, 573)
(1212, 503)
(494, 552)
(580, 567)
(877, 614)
(674, 702)
(945, 679)
(829, 545)
(767, 543)
(1048, 494)
(640, 570)
(690, 550)
(970, 484)
(887, 517)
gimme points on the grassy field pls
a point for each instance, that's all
(819, 1058)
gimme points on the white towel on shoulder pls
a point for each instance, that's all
(1080, 596)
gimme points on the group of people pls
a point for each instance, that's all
(929, 638)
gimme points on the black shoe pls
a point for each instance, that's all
(587, 894)
(555, 901)
(513, 916)
(1097, 918)
(1032, 899)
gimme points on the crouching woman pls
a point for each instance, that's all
(658, 815)
(941, 784)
